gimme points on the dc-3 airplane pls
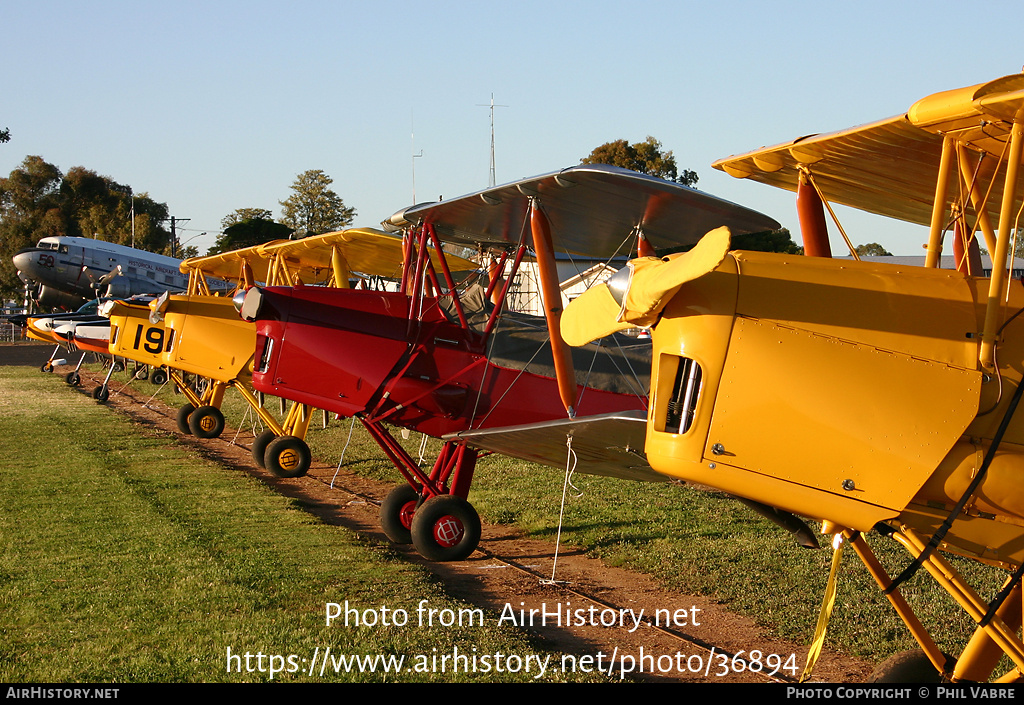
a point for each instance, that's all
(440, 358)
(870, 396)
(66, 272)
(200, 333)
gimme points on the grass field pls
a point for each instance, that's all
(131, 508)
(125, 558)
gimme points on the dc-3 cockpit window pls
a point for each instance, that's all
(45, 245)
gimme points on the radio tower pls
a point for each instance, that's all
(412, 123)
(491, 181)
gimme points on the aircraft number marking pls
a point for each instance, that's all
(154, 339)
(46, 260)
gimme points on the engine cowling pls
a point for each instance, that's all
(121, 287)
(49, 298)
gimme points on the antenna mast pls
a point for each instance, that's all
(491, 180)
(412, 127)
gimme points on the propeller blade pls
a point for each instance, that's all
(157, 307)
(115, 272)
(635, 295)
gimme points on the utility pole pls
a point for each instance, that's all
(174, 235)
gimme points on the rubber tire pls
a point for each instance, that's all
(397, 512)
(182, 419)
(911, 666)
(142, 374)
(288, 456)
(118, 367)
(101, 393)
(430, 516)
(158, 377)
(259, 447)
(46, 367)
(72, 378)
(206, 422)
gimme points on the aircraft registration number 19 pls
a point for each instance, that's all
(153, 340)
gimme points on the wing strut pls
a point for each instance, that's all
(812, 219)
(996, 283)
(552, 297)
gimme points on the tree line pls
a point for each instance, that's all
(38, 200)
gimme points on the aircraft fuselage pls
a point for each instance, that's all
(364, 352)
(76, 266)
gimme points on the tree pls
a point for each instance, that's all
(248, 232)
(646, 157)
(772, 241)
(29, 210)
(313, 208)
(766, 241)
(98, 206)
(5, 135)
(38, 201)
(872, 249)
(240, 214)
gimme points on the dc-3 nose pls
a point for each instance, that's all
(23, 261)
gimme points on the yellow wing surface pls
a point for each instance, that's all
(320, 259)
(888, 167)
(211, 340)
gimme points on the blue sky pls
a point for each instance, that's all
(212, 106)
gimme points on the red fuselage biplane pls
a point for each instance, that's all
(438, 357)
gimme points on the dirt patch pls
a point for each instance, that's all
(510, 572)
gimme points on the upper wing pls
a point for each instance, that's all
(365, 250)
(592, 209)
(605, 444)
(890, 167)
(228, 265)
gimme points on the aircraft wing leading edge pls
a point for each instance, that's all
(889, 167)
(605, 444)
(592, 210)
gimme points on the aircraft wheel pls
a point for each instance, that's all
(158, 377)
(206, 422)
(72, 378)
(142, 373)
(445, 528)
(259, 447)
(397, 511)
(911, 666)
(288, 456)
(47, 367)
(101, 393)
(183, 413)
(118, 366)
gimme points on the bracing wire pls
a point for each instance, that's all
(343, 451)
(570, 467)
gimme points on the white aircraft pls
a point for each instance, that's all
(66, 271)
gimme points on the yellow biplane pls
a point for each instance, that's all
(868, 396)
(201, 334)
